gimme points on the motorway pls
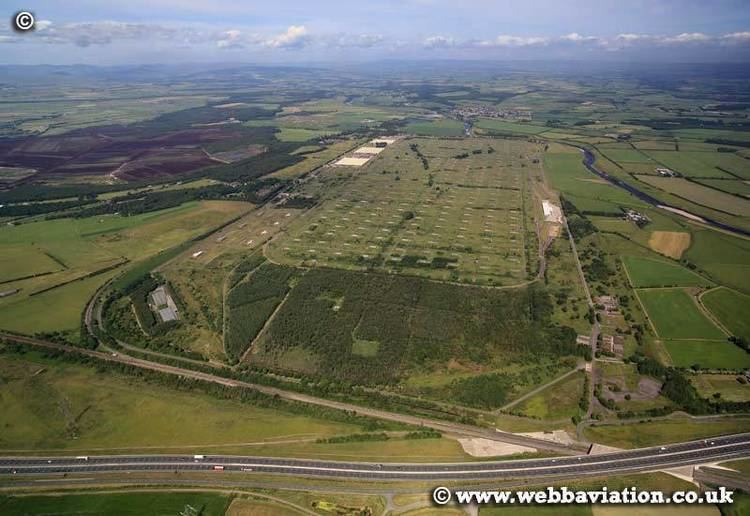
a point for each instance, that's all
(621, 462)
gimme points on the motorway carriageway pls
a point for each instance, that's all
(631, 461)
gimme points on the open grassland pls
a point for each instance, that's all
(625, 155)
(320, 117)
(149, 101)
(647, 272)
(669, 243)
(136, 503)
(395, 449)
(492, 125)
(733, 186)
(654, 433)
(296, 134)
(464, 218)
(728, 385)
(567, 175)
(559, 401)
(52, 407)
(250, 507)
(675, 315)
(441, 127)
(179, 185)
(537, 510)
(22, 261)
(700, 194)
(731, 308)
(59, 309)
(703, 164)
(725, 257)
(720, 354)
(84, 253)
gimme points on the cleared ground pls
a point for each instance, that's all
(669, 243)
(559, 401)
(463, 218)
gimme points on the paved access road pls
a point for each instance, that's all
(631, 461)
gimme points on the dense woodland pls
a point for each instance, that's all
(415, 323)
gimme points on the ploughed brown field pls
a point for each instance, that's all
(118, 150)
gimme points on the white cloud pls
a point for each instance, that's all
(346, 40)
(439, 42)
(577, 38)
(296, 36)
(230, 39)
(686, 37)
(507, 40)
(736, 37)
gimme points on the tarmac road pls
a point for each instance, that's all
(631, 461)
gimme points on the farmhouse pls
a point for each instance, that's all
(665, 172)
(639, 218)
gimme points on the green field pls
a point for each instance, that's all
(726, 258)
(663, 432)
(567, 174)
(703, 164)
(22, 261)
(676, 315)
(733, 186)
(731, 309)
(726, 384)
(501, 126)
(59, 309)
(700, 194)
(72, 249)
(441, 127)
(295, 134)
(65, 408)
(122, 503)
(720, 354)
(625, 155)
(559, 401)
(647, 272)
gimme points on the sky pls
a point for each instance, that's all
(116, 32)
